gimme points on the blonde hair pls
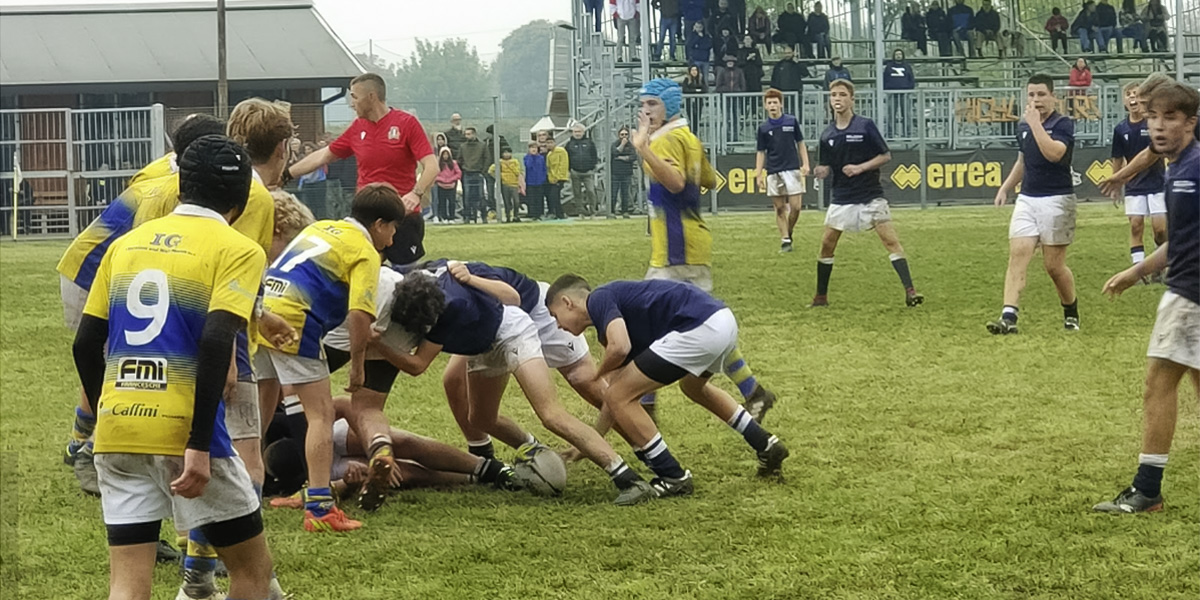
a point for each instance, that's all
(260, 126)
(290, 215)
(842, 83)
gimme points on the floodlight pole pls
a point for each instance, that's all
(222, 74)
(644, 26)
(879, 50)
(1179, 74)
(498, 197)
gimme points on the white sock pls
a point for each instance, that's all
(1153, 460)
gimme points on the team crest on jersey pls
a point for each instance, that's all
(139, 373)
(362, 135)
(393, 133)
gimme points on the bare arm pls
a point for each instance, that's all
(760, 159)
(1112, 186)
(497, 289)
(662, 171)
(311, 163)
(429, 172)
(617, 348)
(413, 363)
(804, 165)
(1157, 261)
(870, 165)
(1010, 182)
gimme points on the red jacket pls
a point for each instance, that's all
(1080, 78)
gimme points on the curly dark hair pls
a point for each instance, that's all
(419, 303)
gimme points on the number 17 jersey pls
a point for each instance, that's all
(331, 268)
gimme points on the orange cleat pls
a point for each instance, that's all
(295, 501)
(333, 521)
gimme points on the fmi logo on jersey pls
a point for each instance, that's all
(275, 286)
(147, 374)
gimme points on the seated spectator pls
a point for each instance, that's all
(699, 46)
(912, 27)
(961, 18)
(986, 27)
(751, 63)
(1106, 26)
(836, 71)
(693, 12)
(730, 77)
(818, 31)
(759, 28)
(1084, 26)
(726, 44)
(1155, 16)
(788, 75)
(1057, 26)
(1081, 77)
(939, 27)
(791, 27)
(1132, 26)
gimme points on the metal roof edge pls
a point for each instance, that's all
(126, 7)
(321, 19)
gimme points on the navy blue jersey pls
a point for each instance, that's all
(858, 143)
(651, 309)
(1183, 223)
(777, 138)
(527, 288)
(1129, 139)
(470, 320)
(1042, 177)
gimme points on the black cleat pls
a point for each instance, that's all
(913, 298)
(759, 402)
(166, 553)
(1001, 327)
(819, 300)
(770, 461)
(637, 493)
(668, 486)
(1130, 501)
(785, 246)
(1071, 323)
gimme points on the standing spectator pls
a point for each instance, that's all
(511, 183)
(1057, 27)
(759, 28)
(621, 162)
(912, 27)
(472, 159)
(535, 181)
(455, 135)
(1132, 26)
(694, 83)
(818, 31)
(836, 71)
(1107, 27)
(1081, 76)
(693, 12)
(731, 80)
(557, 171)
(489, 144)
(295, 151)
(961, 17)
(1084, 26)
(752, 65)
(986, 28)
(898, 79)
(629, 30)
(720, 19)
(583, 158)
(1155, 16)
(445, 197)
(791, 26)
(788, 75)
(699, 46)
(725, 45)
(669, 23)
(316, 176)
(439, 142)
(939, 26)
(595, 8)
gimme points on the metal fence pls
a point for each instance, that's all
(61, 167)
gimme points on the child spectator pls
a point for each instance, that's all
(445, 198)
(511, 182)
(535, 182)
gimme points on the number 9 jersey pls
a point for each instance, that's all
(331, 268)
(156, 286)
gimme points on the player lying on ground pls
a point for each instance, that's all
(1144, 197)
(656, 333)
(782, 165)
(1175, 341)
(460, 313)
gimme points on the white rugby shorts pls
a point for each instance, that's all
(289, 369)
(74, 298)
(1146, 205)
(559, 347)
(704, 349)
(136, 488)
(853, 218)
(785, 183)
(517, 343)
(1051, 219)
(242, 417)
(1176, 333)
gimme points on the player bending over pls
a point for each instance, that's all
(460, 313)
(1144, 197)
(1045, 210)
(656, 333)
(852, 151)
(782, 164)
(1175, 340)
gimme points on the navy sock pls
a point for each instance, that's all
(1150, 473)
(754, 434)
(622, 476)
(484, 449)
(1009, 313)
(318, 501)
(900, 264)
(1071, 310)
(650, 399)
(824, 271)
(658, 457)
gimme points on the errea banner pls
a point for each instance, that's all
(952, 176)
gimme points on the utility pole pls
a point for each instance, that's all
(222, 73)
(879, 51)
(497, 200)
(1179, 74)
(371, 53)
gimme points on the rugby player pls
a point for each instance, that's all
(1144, 197)
(782, 165)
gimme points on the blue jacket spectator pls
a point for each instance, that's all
(961, 15)
(898, 74)
(836, 71)
(699, 47)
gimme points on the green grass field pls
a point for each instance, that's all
(929, 459)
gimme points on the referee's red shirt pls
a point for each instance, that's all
(387, 151)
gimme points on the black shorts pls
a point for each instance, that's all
(658, 368)
(379, 376)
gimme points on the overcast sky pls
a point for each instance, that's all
(396, 24)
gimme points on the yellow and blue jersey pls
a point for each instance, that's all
(159, 167)
(256, 222)
(678, 234)
(328, 270)
(155, 287)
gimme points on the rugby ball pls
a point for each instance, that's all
(544, 474)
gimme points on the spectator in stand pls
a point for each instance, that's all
(731, 80)
(736, 7)
(1107, 27)
(535, 181)
(836, 71)
(1132, 26)
(693, 12)
(1081, 77)
(898, 79)
(721, 19)
(489, 144)
(1155, 16)
(583, 158)
(791, 27)
(439, 142)
(986, 28)
(621, 160)
(295, 151)
(752, 66)
(912, 27)
(725, 45)
(1057, 26)
(699, 47)
(669, 23)
(818, 31)
(595, 8)
(759, 28)
(961, 17)
(455, 135)
(445, 197)
(472, 159)
(629, 28)
(558, 167)
(694, 83)
(939, 26)
(1084, 26)
(788, 75)
(511, 182)
(317, 176)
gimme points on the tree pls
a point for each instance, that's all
(522, 69)
(438, 79)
